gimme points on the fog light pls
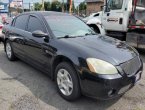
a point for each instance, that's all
(111, 92)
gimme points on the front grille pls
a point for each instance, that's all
(132, 66)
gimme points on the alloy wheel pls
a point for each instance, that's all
(8, 50)
(65, 82)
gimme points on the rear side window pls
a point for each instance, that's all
(34, 24)
(21, 22)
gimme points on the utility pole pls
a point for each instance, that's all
(70, 7)
(43, 6)
(9, 8)
(62, 5)
(23, 5)
(78, 10)
(29, 6)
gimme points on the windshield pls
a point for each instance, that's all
(68, 25)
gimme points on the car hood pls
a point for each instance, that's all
(102, 47)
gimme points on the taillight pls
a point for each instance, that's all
(1, 27)
(137, 27)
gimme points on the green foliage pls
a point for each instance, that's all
(56, 6)
(53, 6)
(47, 6)
(37, 6)
(82, 6)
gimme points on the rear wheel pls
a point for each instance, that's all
(9, 51)
(67, 81)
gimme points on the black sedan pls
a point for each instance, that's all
(73, 55)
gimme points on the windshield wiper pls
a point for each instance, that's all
(90, 34)
(67, 36)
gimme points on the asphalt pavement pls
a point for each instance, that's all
(22, 87)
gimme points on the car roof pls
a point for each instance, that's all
(47, 13)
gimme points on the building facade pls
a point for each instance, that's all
(3, 7)
(94, 6)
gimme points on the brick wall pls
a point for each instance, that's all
(94, 7)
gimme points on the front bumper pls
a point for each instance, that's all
(106, 87)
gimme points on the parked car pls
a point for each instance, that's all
(3, 18)
(1, 35)
(92, 15)
(8, 20)
(69, 51)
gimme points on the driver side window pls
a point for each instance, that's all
(34, 24)
(115, 4)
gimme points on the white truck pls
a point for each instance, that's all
(122, 19)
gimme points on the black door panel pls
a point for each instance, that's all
(37, 52)
(34, 47)
(17, 35)
(18, 40)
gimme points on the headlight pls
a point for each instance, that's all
(100, 66)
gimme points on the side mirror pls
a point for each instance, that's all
(6, 23)
(39, 34)
(106, 6)
(102, 7)
(107, 9)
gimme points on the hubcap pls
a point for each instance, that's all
(8, 50)
(64, 82)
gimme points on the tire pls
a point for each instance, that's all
(96, 30)
(9, 51)
(68, 80)
(0, 40)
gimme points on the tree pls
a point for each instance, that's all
(82, 6)
(47, 6)
(37, 6)
(56, 6)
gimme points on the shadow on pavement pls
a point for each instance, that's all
(142, 54)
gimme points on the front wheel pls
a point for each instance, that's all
(9, 52)
(67, 81)
(95, 28)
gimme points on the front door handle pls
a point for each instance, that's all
(108, 14)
